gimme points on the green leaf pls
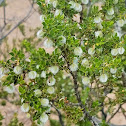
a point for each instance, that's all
(21, 90)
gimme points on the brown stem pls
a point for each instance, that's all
(76, 90)
(59, 114)
(81, 14)
(75, 81)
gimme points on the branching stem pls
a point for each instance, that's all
(59, 114)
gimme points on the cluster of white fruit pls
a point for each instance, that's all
(33, 74)
(48, 43)
(76, 6)
(44, 101)
(40, 33)
(79, 52)
(3, 76)
(50, 82)
(102, 78)
(120, 23)
(53, 2)
(117, 51)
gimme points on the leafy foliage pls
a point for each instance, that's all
(87, 62)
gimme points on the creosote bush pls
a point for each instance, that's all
(87, 64)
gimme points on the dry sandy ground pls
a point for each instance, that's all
(16, 9)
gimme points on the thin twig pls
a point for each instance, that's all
(89, 7)
(122, 109)
(24, 19)
(114, 113)
(4, 13)
(73, 104)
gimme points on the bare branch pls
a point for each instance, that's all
(59, 114)
(123, 111)
(24, 19)
(114, 113)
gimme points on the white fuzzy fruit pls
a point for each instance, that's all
(121, 50)
(91, 51)
(98, 34)
(51, 90)
(43, 74)
(99, 25)
(113, 70)
(38, 92)
(40, 34)
(32, 74)
(1, 71)
(48, 43)
(58, 12)
(103, 78)
(44, 102)
(55, 3)
(78, 7)
(54, 69)
(17, 70)
(37, 66)
(85, 62)
(97, 19)
(25, 107)
(110, 11)
(62, 39)
(42, 18)
(72, 4)
(44, 118)
(10, 89)
(74, 67)
(85, 80)
(78, 51)
(120, 23)
(115, 1)
(114, 52)
(85, 1)
(51, 81)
